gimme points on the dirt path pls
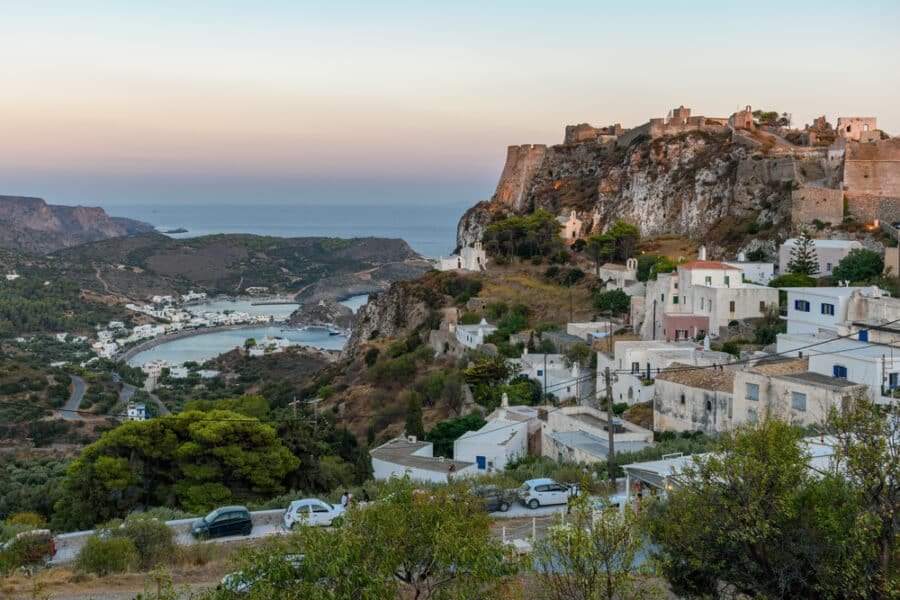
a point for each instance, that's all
(101, 280)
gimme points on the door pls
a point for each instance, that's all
(320, 514)
(220, 526)
(303, 514)
(560, 494)
(481, 462)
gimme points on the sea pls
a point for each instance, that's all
(430, 229)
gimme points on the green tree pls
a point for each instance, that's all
(589, 554)
(249, 343)
(409, 544)
(414, 425)
(804, 260)
(443, 434)
(601, 248)
(193, 460)
(625, 239)
(869, 455)
(614, 302)
(753, 518)
(860, 266)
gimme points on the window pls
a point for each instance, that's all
(828, 267)
(752, 391)
(798, 401)
(864, 335)
(708, 280)
(751, 415)
(662, 297)
(701, 303)
(801, 305)
(708, 406)
(682, 399)
(635, 367)
(893, 380)
(827, 309)
(540, 373)
(731, 306)
(727, 281)
(762, 306)
(676, 285)
(840, 371)
(674, 299)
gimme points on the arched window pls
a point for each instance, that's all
(682, 399)
(708, 406)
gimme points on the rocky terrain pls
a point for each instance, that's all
(323, 312)
(333, 268)
(32, 225)
(703, 185)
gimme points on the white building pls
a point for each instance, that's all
(136, 412)
(407, 456)
(12, 276)
(470, 258)
(693, 399)
(876, 366)
(491, 447)
(618, 277)
(472, 336)
(643, 361)
(269, 345)
(580, 434)
(825, 309)
(116, 325)
(556, 375)
(753, 272)
(592, 330)
(700, 298)
(828, 252)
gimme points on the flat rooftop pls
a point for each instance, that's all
(817, 379)
(400, 452)
(594, 445)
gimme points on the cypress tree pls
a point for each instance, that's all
(414, 424)
(804, 260)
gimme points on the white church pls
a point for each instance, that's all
(470, 258)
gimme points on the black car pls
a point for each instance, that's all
(225, 521)
(493, 498)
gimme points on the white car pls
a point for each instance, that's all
(311, 511)
(544, 492)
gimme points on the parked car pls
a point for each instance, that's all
(544, 492)
(34, 546)
(225, 521)
(243, 582)
(493, 498)
(312, 511)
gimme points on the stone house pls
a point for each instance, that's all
(786, 389)
(688, 398)
(572, 227)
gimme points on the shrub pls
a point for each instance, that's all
(371, 356)
(28, 520)
(397, 348)
(107, 555)
(152, 538)
(469, 318)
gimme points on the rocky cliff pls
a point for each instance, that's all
(698, 184)
(392, 314)
(32, 225)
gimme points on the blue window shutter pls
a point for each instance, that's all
(481, 462)
(834, 370)
(864, 335)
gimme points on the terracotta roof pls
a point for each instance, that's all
(706, 378)
(780, 366)
(707, 264)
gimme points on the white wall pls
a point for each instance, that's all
(486, 444)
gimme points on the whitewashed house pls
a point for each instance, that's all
(699, 298)
(643, 361)
(407, 456)
(754, 272)
(472, 336)
(136, 412)
(825, 309)
(556, 375)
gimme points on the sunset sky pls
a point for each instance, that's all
(108, 102)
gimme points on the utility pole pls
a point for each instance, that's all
(611, 455)
(315, 403)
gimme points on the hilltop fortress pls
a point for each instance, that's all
(681, 172)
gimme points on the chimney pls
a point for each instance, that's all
(504, 401)
(701, 253)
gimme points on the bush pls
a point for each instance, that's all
(107, 555)
(28, 520)
(152, 538)
(371, 356)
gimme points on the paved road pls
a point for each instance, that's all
(68, 411)
(128, 391)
